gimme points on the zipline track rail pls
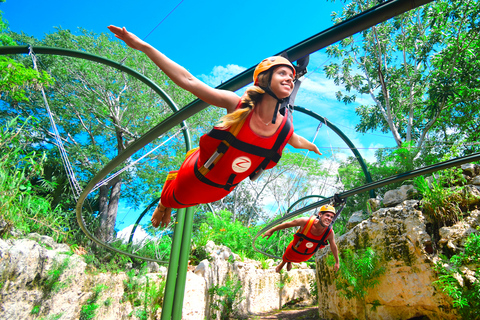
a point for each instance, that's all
(360, 22)
(133, 148)
(366, 187)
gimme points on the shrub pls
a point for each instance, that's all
(439, 202)
(358, 273)
(89, 309)
(21, 207)
(229, 297)
(465, 294)
(222, 231)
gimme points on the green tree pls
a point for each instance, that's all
(295, 177)
(99, 112)
(419, 68)
(15, 79)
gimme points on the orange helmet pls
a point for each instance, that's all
(266, 64)
(327, 208)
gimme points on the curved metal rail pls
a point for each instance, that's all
(349, 143)
(369, 18)
(112, 164)
(368, 187)
(301, 199)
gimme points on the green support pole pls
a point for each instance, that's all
(183, 265)
(171, 283)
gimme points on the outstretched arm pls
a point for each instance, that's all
(184, 79)
(299, 142)
(300, 222)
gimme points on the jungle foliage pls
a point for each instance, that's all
(463, 288)
(420, 69)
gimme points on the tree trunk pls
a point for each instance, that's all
(108, 208)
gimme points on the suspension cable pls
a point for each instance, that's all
(303, 161)
(75, 186)
(333, 155)
(105, 181)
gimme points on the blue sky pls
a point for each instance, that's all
(216, 40)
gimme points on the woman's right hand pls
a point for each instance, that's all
(129, 38)
(267, 234)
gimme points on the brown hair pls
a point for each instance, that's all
(249, 100)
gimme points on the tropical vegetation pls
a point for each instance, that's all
(420, 70)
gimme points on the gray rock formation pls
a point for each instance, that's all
(408, 246)
(42, 278)
(263, 289)
(356, 218)
(398, 235)
(397, 196)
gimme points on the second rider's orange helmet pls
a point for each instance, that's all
(268, 63)
(327, 208)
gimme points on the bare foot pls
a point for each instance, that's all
(280, 267)
(161, 215)
(289, 266)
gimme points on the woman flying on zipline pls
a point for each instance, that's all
(249, 139)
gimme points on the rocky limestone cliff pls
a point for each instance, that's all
(263, 289)
(43, 279)
(408, 245)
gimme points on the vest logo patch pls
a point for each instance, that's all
(241, 164)
(309, 245)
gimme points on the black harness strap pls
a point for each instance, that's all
(227, 138)
(280, 139)
(241, 145)
(183, 204)
(205, 180)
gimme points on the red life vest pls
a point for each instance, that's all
(239, 152)
(305, 244)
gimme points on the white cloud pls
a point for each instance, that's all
(318, 85)
(220, 74)
(139, 236)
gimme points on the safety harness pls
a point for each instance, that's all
(229, 139)
(315, 244)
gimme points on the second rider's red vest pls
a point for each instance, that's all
(305, 244)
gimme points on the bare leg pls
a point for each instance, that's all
(162, 215)
(289, 266)
(280, 266)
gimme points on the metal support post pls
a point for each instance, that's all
(169, 294)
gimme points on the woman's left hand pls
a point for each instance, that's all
(315, 149)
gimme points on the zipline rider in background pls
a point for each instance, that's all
(313, 234)
(249, 139)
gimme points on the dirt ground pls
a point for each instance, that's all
(305, 314)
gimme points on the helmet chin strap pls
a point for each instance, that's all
(279, 101)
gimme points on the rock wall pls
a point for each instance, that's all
(263, 289)
(27, 290)
(408, 246)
